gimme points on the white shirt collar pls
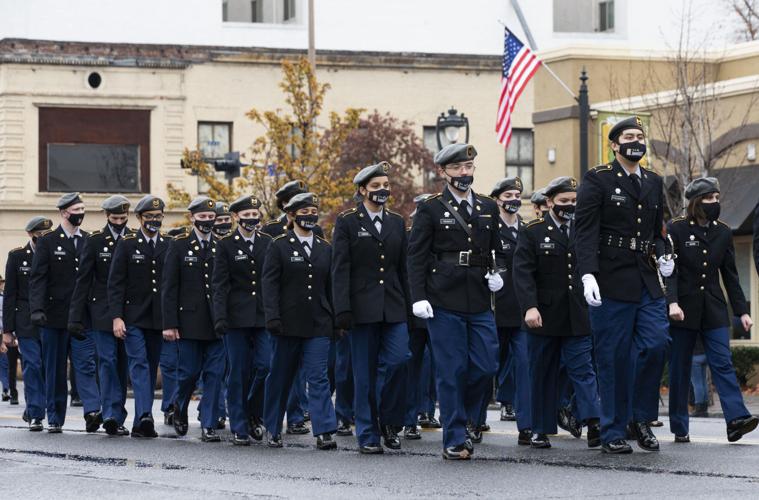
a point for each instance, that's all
(148, 238)
(514, 226)
(251, 239)
(372, 215)
(307, 239)
(77, 232)
(115, 234)
(558, 223)
(201, 236)
(469, 197)
(637, 171)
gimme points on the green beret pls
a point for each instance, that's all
(366, 174)
(626, 124)
(38, 223)
(455, 153)
(115, 204)
(538, 197)
(202, 204)
(701, 186)
(149, 202)
(221, 208)
(562, 184)
(67, 200)
(244, 202)
(302, 200)
(507, 184)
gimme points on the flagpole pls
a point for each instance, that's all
(550, 71)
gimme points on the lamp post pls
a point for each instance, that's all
(450, 125)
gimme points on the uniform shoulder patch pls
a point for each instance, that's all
(348, 212)
(130, 236)
(680, 218)
(534, 222)
(602, 168)
(182, 236)
(434, 197)
(272, 222)
(276, 238)
(723, 223)
(96, 232)
(319, 237)
(16, 249)
(394, 213)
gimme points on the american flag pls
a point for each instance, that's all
(519, 64)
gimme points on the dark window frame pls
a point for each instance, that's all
(215, 123)
(521, 163)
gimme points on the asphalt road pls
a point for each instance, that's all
(79, 465)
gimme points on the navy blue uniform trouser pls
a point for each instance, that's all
(113, 372)
(378, 351)
(717, 349)
(545, 353)
(310, 354)
(144, 349)
(248, 352)
(200, 359)
(427, 388)
(418, 340)
(343, 380)
(465, 346)
(34, 376)
(169, 382)
(513, 346)
(631, 340)
(297, 399)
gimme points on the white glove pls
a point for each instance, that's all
(591, 291)
(422, 309)
(495, 282)
(666, 267)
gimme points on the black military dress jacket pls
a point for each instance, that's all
(619, 234)
(439, 250)
(134, 281)
(703, 255)
(507, 312)
(278, 227)
(369, 277)
(237, 280)
(16, 314)
(54, 268)
(186, 287)
(297, 287)
(545, 277)
(90, 297)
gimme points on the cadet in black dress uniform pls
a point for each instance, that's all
(239, 317)
(539, 203)
(90, 300)
(555, 315)
(369, 287)
(187, 318)
(451, 272)
(54, 268)
(222, 225)
(298, 312)
(17, 321)
(704, 248)
(134, 300)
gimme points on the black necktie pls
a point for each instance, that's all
(250, 246)
(152, 244)
(75, 241)
(565, 230)
(635, 180)
(377, 223)
(307, 248)
(204, 246)
(464, 208)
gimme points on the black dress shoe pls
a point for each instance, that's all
(111, 426)
(525, 437)
(700, 410)
(35, 425)
(411, 432)
(274, 441)
(371, 449)
(469, 446)
(93, 420)
(562, 418)
(147, 426)
(540, 441)
(507, 413)
(422, 419)
(474, 434)
(344, 429)
(122, 431)
(390, 438)
(221, 424)
(630, 431)
(25, 417)
(656, 423)
(459, 452)
(306, 416)
(325, 442)
(54, 428)
(645, 437)
(299, 428)
(6, 396)
(209, 435)
(240, 439)
(682, 439)
(76, 402)
(484, 427)
(257, 429)
(180, 425)
(434, 423)
(14, 400)
(594, 435)
(617, 447)
(740, 426)
(168, 416)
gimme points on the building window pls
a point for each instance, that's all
(94, 150)
(214, 139)
(224, 11)
(256, 11)
(606, 15)
(745, 267)
(583, 16)
(288, 9)
(260, 11)
(520, 158)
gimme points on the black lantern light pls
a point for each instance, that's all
(450, 126)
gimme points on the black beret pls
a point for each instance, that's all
(627, 123)
(149, 202)
(538, 197)
(38, 223)
(289, 190)
(701, 186)
(221, 208)
(368, 173)
(507, 184)
(455, 153)
(67, 200)
(115, 204)
(302, 200)
(202, 204)
(244, 202)
(562, 184)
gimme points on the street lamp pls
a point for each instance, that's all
(450, 125)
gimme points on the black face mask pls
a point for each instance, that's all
(204, 226)
(76, 219)
(117, 228)
(633, 151)
(512, 206)
(379, 196)
(462, 182)
(565, 212)
(249, 224)
(306, 222)
(152, 226)
(222, 229)
(711, 210)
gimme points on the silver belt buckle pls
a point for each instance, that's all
(464, 258)
(633, 244)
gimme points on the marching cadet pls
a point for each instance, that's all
(539, 204)
(369, 289)
(298, 313)
(134, 300)
(54, 267)
(697, 308)
(512, 339)
(17, 321)
(222, 225)
(188, 320)
(619, 244)
(278, 226)
(90, 300)
(451, 273)
(239, 318)
(555, 315)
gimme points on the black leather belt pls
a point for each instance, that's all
(626, 242)
(463, 259)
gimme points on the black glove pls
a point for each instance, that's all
(344, 321)
(274, 326)
(39, 318)
(76, 330)
(220, 327)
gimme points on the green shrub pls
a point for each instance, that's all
(745, 360)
